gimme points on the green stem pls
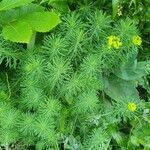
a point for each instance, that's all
(31, 44)
(6, 146)
(74, 125)
(8, 85)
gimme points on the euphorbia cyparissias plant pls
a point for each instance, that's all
(77, 90)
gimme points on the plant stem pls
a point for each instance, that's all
(31, 44)
(9, 90)
(6, 146)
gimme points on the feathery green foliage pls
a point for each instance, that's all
(79, 86)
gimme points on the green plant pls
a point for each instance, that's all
(78, 89)
(60, 5)
(20, 21)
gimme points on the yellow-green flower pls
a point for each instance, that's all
(114, 42)
(137, 40)
(132, 106)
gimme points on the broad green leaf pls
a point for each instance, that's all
(43, 21)
(17, 32)
(117, 88)
(9, 4)
(133, 72)
(29, 9)
(15, 14)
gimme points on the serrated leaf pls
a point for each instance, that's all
(9, 4)
(43, 21)
(17, 32)
(15, 14)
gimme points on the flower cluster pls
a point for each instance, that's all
(137, 40)
(132, 106)
(114, 42)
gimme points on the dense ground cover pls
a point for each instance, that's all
(74, 75)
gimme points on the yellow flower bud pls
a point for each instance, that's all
(132, 107)
(114, 42)
(137, 40)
